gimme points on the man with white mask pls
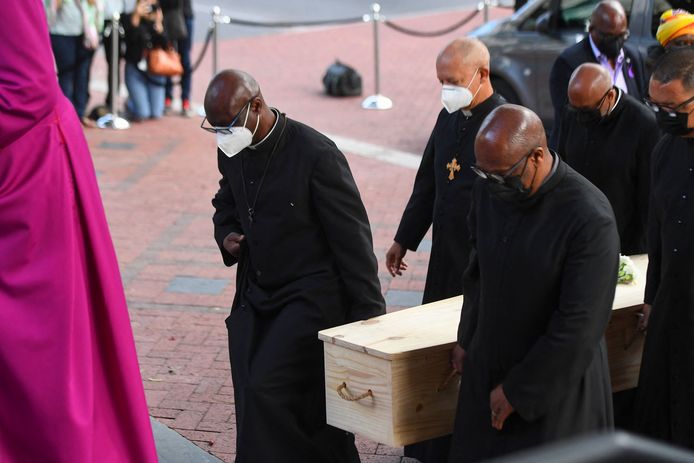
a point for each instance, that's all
(442, 188)
(289, 213)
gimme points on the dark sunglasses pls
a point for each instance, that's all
(597, 106)
(502, 178)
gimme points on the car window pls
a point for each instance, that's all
(574, 14)
(661, 6)
(530, 23)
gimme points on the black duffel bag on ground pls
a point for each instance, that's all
(341, 80)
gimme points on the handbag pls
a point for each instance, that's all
(164, 62)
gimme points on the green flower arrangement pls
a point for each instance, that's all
(626, 274)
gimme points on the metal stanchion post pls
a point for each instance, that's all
(112, 120)
(216, 19)
(376, 101)
(216, 12)
(486, 11)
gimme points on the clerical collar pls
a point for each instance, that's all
(484, 107)
(619, 98)
(555, 176)
(277, 119)
(553, 170)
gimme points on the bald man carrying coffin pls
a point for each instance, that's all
(538, 296)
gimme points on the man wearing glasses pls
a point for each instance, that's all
(604, 45)
(607, 136)
(538, 296)
(289, 213)
(664, 402)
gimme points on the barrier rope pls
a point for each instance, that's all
(194, 67)
(243, 22)
(208, 39)
(287, 24)
(326, 22)
(438, 33)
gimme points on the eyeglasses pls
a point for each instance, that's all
(672, 112)
(680, 42)
(502, 178)
(224, 130)
(597, 106)
(605, 36)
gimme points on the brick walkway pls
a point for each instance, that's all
(157, 180)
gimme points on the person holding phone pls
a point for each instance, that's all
(144, 30)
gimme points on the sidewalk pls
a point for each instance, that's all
(157, 180)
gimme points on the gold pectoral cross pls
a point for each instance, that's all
(452, 166)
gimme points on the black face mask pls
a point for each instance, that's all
(610, 46)
(511, 191)
(674, 125)
(592, 116)
(588, 117)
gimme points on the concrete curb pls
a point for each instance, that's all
(174, 448)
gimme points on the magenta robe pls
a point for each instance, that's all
(70, 385)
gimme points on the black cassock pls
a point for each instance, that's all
(538, 297)
(615, 156)
(444, 203)
(665, 395)
(307, 264)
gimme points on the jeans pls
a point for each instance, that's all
(74, 62)
(108, 51)
(146, 93)
(183, 47)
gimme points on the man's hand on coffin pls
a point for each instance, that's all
(232, 243)
(457, 357)
(394, 262)
(645, 314)
(500, 407)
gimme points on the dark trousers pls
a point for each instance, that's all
(430, 451)
(108, 50)
(74, 62)
(183, 46)
(279, 389)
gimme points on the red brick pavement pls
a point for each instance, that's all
(157, 180)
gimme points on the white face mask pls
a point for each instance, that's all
(454, 97)
(239, 139)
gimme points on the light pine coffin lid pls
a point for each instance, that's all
(403, 333)
(408, 332)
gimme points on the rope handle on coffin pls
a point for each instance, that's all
(447, 381)
(346, 395)
(638, 332)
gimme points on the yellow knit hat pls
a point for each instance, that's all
(673, 24)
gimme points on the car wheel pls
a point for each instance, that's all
(504, 89)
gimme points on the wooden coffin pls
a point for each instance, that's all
(403, 359)
(624, 341)
(388, 378)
